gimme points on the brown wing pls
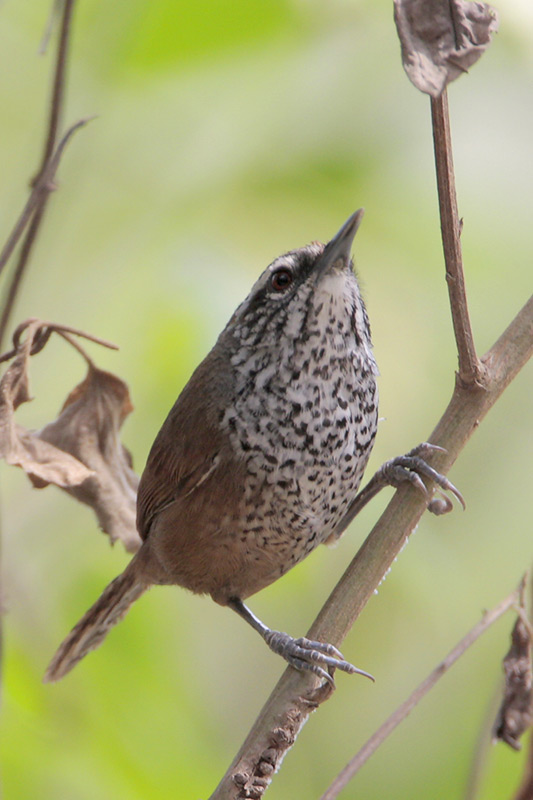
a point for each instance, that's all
(189, 445)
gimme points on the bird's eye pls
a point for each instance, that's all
(281, 279)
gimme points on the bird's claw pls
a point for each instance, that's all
(411, 466)
(311, 656)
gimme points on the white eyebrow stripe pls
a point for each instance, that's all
(288, 260)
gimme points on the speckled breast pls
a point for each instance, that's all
(305, 426)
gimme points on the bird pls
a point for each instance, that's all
(260, 459)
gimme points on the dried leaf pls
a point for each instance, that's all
(88, 428)
(14, 386)
(516, 712)
(45, 463)
(441, 39)
(80, 451)
(22, 448)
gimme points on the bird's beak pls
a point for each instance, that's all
(337, 251)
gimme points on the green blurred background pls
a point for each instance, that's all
(228, 133)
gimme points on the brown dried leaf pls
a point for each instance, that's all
(80, 451)
(14, 386)
(88, 428)
(45, 463)
(22, 448)
(516, 712)
(441, 39)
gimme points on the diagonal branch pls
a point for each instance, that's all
(295, 695)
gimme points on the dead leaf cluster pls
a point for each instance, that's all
(80, 451)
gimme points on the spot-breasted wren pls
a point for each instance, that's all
(260, 458)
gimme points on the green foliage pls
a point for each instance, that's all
(228, 133)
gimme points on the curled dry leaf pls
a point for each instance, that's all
(88, 428)
(516, 712)
(22, 448)
(441, 39)
(80, 451)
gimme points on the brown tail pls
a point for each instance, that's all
(93, 627)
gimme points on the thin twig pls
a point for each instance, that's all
(525, 790)
(62, 329)
(50, 140)
(32, 214)
(470, 368)
(370, 747)
(58, 88)
(480, 749)
(32, 327)
(54, 14)
(79, 348)
(42, 187)
(29, 211)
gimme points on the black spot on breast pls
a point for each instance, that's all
(289, 462)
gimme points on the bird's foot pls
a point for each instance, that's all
(411, 466)
(308, 655)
